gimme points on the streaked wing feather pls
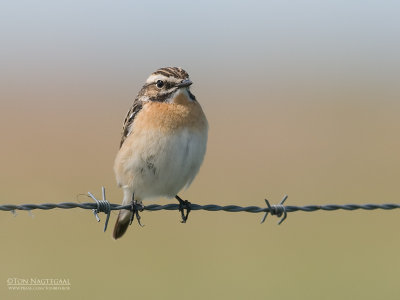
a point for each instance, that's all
(130, 117)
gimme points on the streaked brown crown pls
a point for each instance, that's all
(176, 72)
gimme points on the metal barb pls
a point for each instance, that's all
(277, 210)
(102, 206)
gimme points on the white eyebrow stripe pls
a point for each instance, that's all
(154, 78)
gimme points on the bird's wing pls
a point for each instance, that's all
(130, 117)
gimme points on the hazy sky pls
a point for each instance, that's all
(107, 38)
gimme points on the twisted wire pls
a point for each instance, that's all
(207, 207)
(278, 210)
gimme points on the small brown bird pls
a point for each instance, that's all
(163, 142)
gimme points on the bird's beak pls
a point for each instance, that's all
(184, 83)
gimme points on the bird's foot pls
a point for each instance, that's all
(184, 204)
(135, 208)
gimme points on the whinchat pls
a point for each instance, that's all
(163, 142)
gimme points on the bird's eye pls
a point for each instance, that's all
(160, 84)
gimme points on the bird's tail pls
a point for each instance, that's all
(122, 223)
(124, 216)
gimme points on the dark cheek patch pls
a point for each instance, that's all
(160, 98)
(168, 85)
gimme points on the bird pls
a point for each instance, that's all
(163, 143)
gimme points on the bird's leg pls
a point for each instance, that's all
(135, 208)
(184, 204)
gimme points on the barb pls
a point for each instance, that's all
(278, 210)
(102, 206)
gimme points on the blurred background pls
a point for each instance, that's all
(302, 98)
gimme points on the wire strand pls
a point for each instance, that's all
(278, 210)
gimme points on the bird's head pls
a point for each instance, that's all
(165, 84)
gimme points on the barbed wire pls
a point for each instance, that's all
(278, 210)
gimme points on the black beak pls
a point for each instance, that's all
(184, 83)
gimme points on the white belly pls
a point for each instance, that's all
(161, 165)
